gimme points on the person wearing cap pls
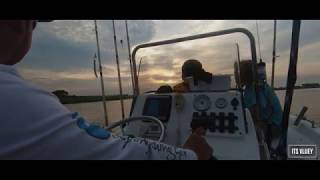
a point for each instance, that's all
(35, 125)
(192, 68)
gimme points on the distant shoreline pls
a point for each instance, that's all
(88, 99)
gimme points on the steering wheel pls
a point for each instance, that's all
(139, 118)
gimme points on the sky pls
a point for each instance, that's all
(62, 52)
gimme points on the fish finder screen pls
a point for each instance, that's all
(158, 107)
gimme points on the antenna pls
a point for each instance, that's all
(274, 52)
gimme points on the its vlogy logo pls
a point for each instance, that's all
(302, 151)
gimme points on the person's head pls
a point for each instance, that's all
(194, 68)
(191, 67)
(246, 74)
(15, 40)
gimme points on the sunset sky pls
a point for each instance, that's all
(62, 53)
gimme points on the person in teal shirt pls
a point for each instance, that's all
(269, 104)
(269, 108)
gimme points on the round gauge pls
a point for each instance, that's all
(221, 103)
(202, 103)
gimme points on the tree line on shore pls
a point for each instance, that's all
(66, 98)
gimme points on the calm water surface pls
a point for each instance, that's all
(94, 111)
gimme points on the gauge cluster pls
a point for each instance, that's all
(203, 103)
(219, 112)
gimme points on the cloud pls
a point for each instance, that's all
(79, 31)
(62, 45)
(62, 52)
(75, 81)
(220, 50)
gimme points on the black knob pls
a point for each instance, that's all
(235, 103)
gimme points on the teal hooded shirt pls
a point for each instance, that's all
(269, 103)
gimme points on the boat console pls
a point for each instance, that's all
(230, 130)
(170, 117)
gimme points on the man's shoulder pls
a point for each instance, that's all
(21, 88)
(21, 94)
(181, 87)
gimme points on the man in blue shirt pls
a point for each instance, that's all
(35, 125)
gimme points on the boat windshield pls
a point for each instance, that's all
(160, 66)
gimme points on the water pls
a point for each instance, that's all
(94, 111)
(304, 97)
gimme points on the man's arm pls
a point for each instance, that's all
(123, 147)
(35, 125)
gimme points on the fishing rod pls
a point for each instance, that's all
(94, 65)
(240, 88)
(258, 35)
(269, 120)
(118, 68)
(129, 54)
(291, 81)
(139, 66)
(101, 75)
(261, 66)
(262, 76)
